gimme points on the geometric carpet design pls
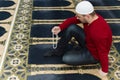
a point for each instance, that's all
(28, 24)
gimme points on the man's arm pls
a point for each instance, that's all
(102, 43)
(68, 22)
(103, 52)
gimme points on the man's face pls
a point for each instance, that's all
(81, 18)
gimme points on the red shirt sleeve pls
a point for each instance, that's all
(102, 44)
(68, 22)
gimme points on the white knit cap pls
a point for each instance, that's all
(84, 7)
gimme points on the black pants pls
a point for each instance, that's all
(73, 56)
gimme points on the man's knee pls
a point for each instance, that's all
(72, 27)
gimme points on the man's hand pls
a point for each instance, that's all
(56, 30)
(102, 73)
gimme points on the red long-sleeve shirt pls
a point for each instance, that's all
(98, 37)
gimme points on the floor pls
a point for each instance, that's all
(25, 36)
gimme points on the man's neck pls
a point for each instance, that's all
(95, 17)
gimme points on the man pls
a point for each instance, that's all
(95, 38)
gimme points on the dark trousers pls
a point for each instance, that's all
(72, 56)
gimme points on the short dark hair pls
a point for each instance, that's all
(93, 13)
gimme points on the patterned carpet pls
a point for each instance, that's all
(26, 24)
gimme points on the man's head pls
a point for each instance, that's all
(84, 8)
(84, 11)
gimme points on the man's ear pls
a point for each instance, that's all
(88, 16)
